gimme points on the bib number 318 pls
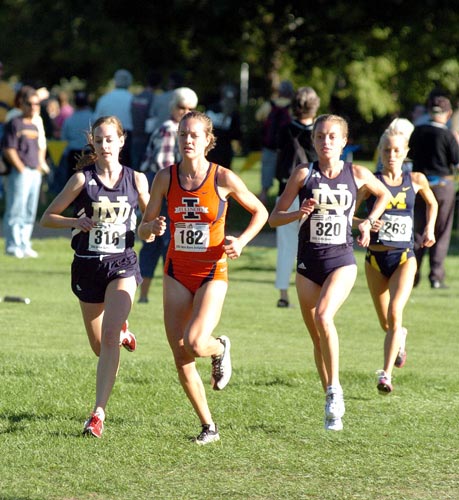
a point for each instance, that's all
(107, 238)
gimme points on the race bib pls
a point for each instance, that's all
(328, 229)
(107, 238)
(396, 228)
(191, 236)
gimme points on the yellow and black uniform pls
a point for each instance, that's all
(397, 231)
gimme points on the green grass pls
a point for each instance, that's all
(272, 446)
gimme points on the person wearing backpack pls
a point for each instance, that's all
(273, 114)
(295, 147)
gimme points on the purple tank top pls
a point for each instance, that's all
(330, 225)
(114, 209)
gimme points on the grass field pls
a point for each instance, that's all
(273, 445)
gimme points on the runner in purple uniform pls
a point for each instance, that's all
(326, 266)
(105, 272)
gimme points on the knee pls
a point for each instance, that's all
(323, 320)
(394, 318)
(195, 348)
(181, 354)
(384, 325)
(184, 364)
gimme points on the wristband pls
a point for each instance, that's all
(371, 221)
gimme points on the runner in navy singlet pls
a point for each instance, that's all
(390, 265)
(105, 272)
(326, 267)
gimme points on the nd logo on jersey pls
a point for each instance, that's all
(114, 212)
(191, 209)
(339, 199)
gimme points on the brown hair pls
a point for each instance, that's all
(305, 103)
(88, 154)
(24, 93)
(332, 118)
(208, 126)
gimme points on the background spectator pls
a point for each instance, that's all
(117, 102)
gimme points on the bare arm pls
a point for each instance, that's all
(280, 214)
(152, 223)
(230, 184)
(365, 179)
(142, 187)
(362, 195)
(52, 216)
(13, 159)
(421, 186)
(43, 165)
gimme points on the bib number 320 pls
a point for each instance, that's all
(328, 229)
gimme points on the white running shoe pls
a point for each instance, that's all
(400, 360)
(384, 383)
(333, 424)
(334, 404)
(207, 435)
(221, 366)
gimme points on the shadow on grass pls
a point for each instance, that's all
(19, 422)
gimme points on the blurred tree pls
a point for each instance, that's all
(367, 60)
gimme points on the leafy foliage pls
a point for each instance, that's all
(367, 60)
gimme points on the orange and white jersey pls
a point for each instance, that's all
(197, 221)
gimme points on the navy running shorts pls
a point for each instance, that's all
(91, 275)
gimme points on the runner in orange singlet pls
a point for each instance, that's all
(195, 278)
(196, 253)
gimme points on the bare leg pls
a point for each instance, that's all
(144, 289)
(334, 292)
(104, 334)
(93, 315)
(190, 321)
(400, 286)
(308, 294)
(389, 298)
